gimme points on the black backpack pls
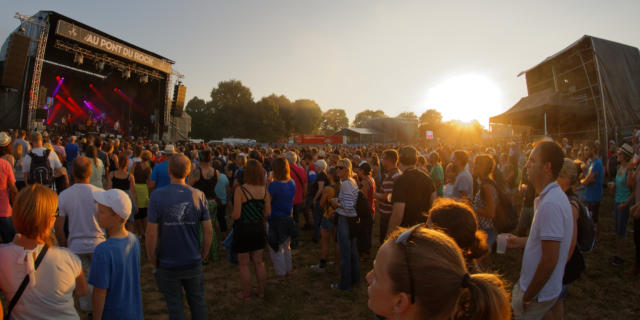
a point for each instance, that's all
(586, 227)
(506, 217)
(40, 171)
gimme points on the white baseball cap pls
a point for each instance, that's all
(115, 199)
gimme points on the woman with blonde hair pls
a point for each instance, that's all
(420, 273)
(347, 216)
(52, 274)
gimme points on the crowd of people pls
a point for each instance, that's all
(77, 213)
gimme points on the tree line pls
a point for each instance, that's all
(233, 112)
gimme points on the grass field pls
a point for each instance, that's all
(603, 292)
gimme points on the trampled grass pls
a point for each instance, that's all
(603, 292)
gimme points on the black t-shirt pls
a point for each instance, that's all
(314, 186)
(414, 187)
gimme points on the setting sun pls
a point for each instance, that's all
(465, 98)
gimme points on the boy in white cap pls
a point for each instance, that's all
(115, 272)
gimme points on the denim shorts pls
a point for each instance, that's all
(327, 224)
(621, 218)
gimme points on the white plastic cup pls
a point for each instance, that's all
(501, 246)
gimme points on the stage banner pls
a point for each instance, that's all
(97, 41)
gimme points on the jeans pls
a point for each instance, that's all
(317, 219)
(7, 232)
(85, 302)
(621, 218)
(297, 210)
(349, 262)
(636, 240)
(364, 239)
(384, 225)
(171, 283)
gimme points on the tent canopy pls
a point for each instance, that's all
(530, 110)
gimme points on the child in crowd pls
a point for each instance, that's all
(115, 272)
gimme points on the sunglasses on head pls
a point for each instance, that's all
(403, 239)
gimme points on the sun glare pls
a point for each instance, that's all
(466, 97)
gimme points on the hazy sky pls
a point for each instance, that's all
(353, 54)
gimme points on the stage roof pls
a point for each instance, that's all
(529, 111)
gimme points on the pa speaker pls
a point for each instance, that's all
(179, 95)
(16, 61)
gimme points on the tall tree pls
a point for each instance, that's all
(366, 115)
(306, 116)
(407, 115)
(200, 113)
(333, 120)
(232, 103)
(431, 119)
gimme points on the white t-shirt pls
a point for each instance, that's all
(50, 296)
(77, 204)
(54, 162)
(552, 221)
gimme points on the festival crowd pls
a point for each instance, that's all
(76, 213)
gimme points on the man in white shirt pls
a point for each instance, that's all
(38, 150)
(546, 250)
(76, 203)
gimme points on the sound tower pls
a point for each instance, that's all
(16, 61)
(41, 112)
(179, 94)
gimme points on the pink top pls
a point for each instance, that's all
(6, 178)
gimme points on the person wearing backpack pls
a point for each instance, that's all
(486, 199)
(39, 164)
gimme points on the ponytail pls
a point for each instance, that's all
(486, 298)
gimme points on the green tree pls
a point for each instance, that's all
(333, 120)
(232, 104)
(201, 113)
(307, 116)
(431, 119)
(408, 115)
(366, 115)
(270, 127)
(285, 110)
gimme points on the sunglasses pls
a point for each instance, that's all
(340, 167)
(403, 239)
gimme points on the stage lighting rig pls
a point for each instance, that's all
(100, 65)
(144, 79)
(78, 59)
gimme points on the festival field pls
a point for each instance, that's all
(603, 292)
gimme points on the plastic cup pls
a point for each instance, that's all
(501, 246)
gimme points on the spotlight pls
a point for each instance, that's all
(100, 65)
(115, 89)
(78, 58)
(58, 78)
(91, 85)
(144, 79)
(126, 74)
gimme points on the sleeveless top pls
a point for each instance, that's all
(122, 184)
(484, 222)
(252, 210)
(208, 186)
(141, 175)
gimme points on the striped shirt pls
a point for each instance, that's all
(385, 207)
(347, 198)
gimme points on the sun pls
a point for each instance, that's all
(466, 97)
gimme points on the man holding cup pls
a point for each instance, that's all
(547, 248)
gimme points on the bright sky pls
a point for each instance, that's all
(391, 55)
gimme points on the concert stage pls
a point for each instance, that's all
(76, 77)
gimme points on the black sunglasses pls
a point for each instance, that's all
(403, 239)
(340, 167)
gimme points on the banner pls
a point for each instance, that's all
(105, 44)
(318, 139)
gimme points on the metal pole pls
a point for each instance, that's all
(604, 113)
(593, 96)
(545, 124)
